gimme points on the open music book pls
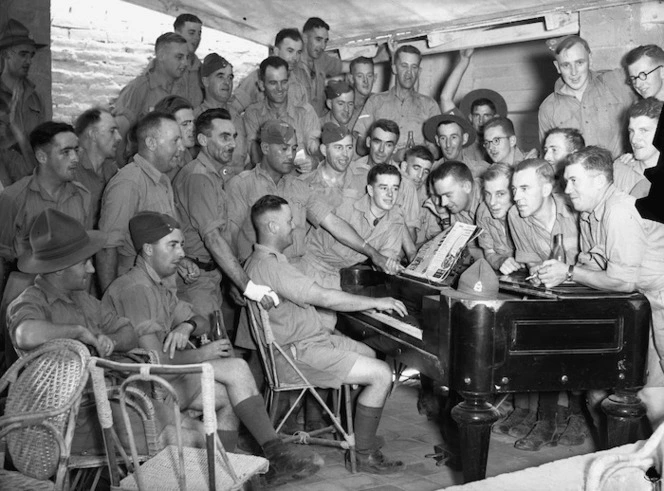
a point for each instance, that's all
(436, 258)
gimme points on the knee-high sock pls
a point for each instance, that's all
(366, 425)
(253, 415)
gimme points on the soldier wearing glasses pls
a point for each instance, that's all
(645, 69)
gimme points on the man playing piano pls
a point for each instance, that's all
(328, 360)
(620, 251)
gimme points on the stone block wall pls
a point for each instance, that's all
(97, 47)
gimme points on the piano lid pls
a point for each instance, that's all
(517, 283)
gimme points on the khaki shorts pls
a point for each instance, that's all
(325, 359)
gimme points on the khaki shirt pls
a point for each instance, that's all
(201, 203)
(386, 236)
(324, 67)
(495, 240)
(409, 113)
(534, 243)
(599, 113)
(43, 301)
(140, 95)
(24, 200)
(615, 239)
(334, 196)
(30, 110)
(247, 187)
(474, 152)
(468, 214)
(247, 92)
(626, 176)
(295, 319)
(406, 199)
(143, 298)
(138, 186)
(302, 118)
(192, 81)
(95, 181)
(241, 146)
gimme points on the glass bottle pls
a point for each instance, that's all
(558, 251)
(218, 329)
(410, 143)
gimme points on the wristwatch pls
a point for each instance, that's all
(570, 272)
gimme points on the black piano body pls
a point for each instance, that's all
(528, 339)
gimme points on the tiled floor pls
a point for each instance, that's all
(409, 437)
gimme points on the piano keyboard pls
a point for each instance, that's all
(396, 324)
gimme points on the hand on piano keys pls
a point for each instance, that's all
(391, 305)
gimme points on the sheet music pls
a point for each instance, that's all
(436, 258)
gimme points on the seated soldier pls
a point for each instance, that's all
(327, 360)
(58, 306)
(500, 142)
(496, 242)
(628, 170)
(164, 323)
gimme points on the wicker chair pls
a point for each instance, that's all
(270, 351)
(45, 390)
(175, 466)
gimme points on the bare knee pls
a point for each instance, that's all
(382, 373)
(233, 371)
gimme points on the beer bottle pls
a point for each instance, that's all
(558, 251)
(218, 329)
(410, 143)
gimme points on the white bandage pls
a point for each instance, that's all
(257, 292)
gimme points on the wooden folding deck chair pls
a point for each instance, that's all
(269, 350)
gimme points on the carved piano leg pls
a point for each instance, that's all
(474, 416)
(624, 411)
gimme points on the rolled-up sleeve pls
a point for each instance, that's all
(119, 205)
(199, 198)
(625, 243)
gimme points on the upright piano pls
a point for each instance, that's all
(528, 339)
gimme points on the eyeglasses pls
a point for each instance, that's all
(643, 75)
(487, 144)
